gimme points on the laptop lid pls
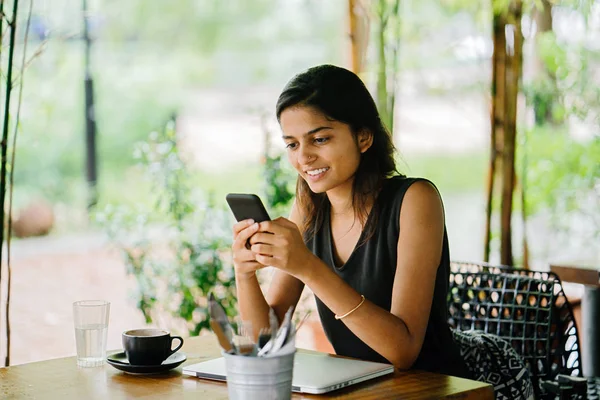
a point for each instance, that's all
(313, 372)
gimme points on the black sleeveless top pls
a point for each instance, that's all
(370, 270)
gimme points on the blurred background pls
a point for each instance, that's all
(126, 203)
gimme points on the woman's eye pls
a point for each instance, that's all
(321, 140)
(290, 146)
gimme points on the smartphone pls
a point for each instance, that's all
(247, 206)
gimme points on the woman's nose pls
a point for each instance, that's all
(305, 156)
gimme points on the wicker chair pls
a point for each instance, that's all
(529, 310)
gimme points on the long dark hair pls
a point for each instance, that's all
(340, 95)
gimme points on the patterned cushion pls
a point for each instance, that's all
(492, 360)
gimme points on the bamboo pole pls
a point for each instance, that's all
(358, 33)
(3, 170)
(12, 181)
(513, 74)
(493, 150)
(2, 188)
(353, 36)
(497, 120)
(523, 185)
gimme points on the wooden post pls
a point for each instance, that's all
(506, 75)
(497, 116)
(4, 159)
(358, 33)
(513, 75)
(354, 50)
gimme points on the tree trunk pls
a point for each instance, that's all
(358, 25)
(513, 75)
(3, 164)
(3, 146)
(497, 118)
(506, 74)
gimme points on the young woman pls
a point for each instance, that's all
(370, 243)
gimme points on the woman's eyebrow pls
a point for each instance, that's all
(311, 132)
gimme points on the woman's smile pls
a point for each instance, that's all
(316, 174)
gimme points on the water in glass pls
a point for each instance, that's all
(91, 344)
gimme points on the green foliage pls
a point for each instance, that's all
(188, 255)
(134, 95)
(542, 94)
(571, 88)
(563, 180)
(147, 59)
(585, 7)
(206, 25)
(562, 174)
(48, 125)
(387, 24)
(277, 184)
(452, 173)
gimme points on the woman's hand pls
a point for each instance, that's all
(244, 260)
(279, 243)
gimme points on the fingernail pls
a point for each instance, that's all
(250, 221)
(255, 226)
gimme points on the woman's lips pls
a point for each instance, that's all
(318, 176)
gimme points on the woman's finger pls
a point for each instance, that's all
(239, 226)
(243, 236)
(263, 237)
(263, 249)
(243, 255)
(274, 227)
(266, 260)
(285, 222)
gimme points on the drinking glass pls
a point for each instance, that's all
(91, 326)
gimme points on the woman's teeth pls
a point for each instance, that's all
(316, 171)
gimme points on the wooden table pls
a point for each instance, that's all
(62, 379)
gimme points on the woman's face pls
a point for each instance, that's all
(325, 153)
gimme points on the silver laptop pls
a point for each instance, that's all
(313, 372)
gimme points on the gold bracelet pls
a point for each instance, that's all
(354, 309)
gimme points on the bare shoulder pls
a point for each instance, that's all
(422, 190)
(422, 198)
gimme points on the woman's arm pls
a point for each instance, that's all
(396, 335)
(251, 302)
(284, 289)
